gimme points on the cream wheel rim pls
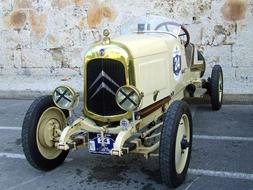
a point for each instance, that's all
(182, 144)
(51, 120)
(220, 88)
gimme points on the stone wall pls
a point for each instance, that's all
(42, 42)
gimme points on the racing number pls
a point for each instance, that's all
(177, 64)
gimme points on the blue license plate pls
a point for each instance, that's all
(95, 144)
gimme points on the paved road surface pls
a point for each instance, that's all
(222, 157)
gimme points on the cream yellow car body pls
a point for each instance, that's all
(149, 64)
(133, 91)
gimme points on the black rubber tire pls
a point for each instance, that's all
(215, 100)
(28, 136)
(172, 118)
(201, 58)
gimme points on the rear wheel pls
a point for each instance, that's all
(217, 88)
(40, 131)
(175, 144)
(201, 58)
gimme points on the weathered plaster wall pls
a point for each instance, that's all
(42, 42)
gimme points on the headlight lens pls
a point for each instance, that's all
(65, 97)
(128, 98)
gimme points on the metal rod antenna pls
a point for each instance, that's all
(147, 21)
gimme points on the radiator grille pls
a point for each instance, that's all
(104, 78)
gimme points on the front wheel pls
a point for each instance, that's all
(175, 144)
(217, 88)
(40, 131)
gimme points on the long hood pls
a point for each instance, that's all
(141, 45)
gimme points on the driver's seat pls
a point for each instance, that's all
(189, 54)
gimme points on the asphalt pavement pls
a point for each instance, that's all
(222, 157)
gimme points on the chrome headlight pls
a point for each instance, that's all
(65, 97)
(128, 98)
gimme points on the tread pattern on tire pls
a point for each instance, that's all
(168, 132)
(216, 104)
(32, 155)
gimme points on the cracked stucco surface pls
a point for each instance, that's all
(42, 43)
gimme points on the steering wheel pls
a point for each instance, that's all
(184, 31)
(187, 34)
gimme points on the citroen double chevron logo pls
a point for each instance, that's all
(103, 75)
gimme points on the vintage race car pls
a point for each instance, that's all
(134, 91)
